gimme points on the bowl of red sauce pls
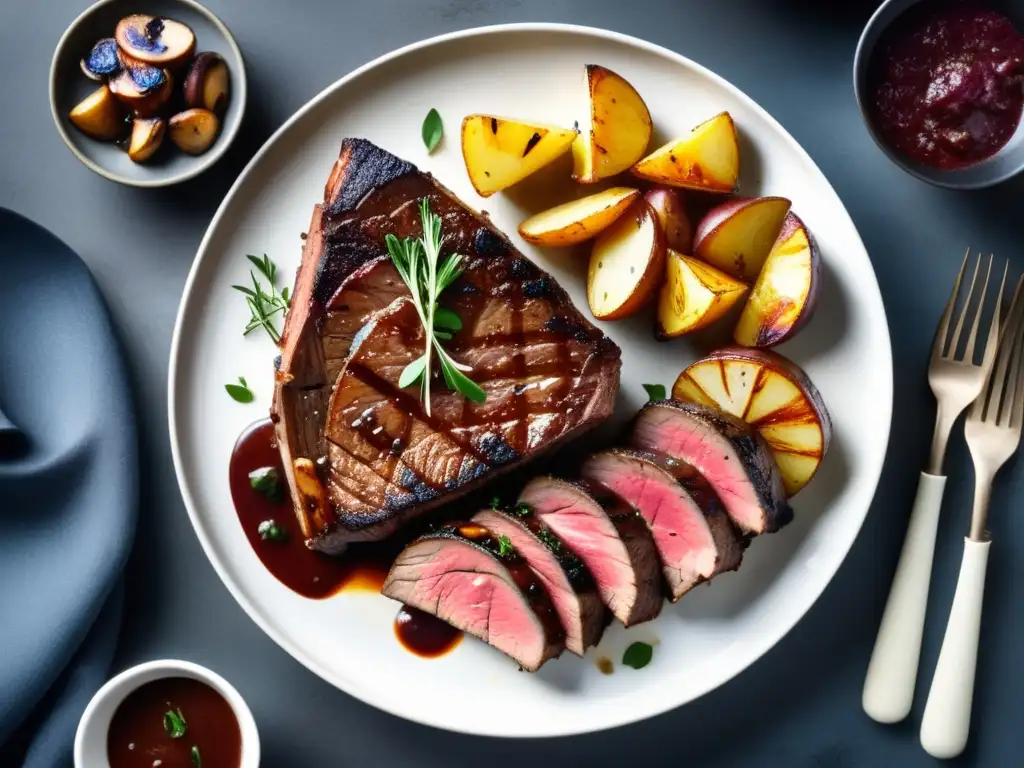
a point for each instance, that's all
(167, 714)
(940, 84)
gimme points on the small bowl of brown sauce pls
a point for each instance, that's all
(940, 84)
(167, 714)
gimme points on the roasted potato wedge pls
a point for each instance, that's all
(738, 235)
(147, 136)
(577, 220)
(194, 130)
(617, 128)
(207, 82)
(130, 87)
(786, 292)
(673, 218)
(627, 264)
(98, 115)
(499, 151)
(155, 40)
(693, 296)
(707, 158)
(772, 394)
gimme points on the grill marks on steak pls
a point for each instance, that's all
(733, 458)
(547, 371)
(611, 540)
(567, 581)
(458, 574)
(694, 537)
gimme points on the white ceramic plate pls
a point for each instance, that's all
(529, 71)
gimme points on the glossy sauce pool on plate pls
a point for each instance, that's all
(138, 737)
(946, 83)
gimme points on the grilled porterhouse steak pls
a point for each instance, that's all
(548, 373)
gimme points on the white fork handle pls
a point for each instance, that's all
(889, 686)
(947, 715)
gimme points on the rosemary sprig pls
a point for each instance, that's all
(264, 303)
(418, 262)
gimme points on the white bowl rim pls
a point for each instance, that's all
(239, 93)
(119, 687)
(872, 473)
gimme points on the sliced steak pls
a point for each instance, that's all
(609, 537)
(568, 582)
(549, 373)
(459, 574)
(730, 454)
(693, 534)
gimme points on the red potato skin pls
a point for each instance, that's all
(791, 223)
(671, 214)
(654, 275)
(771, 359)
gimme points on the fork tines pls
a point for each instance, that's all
(945, 347)
(1001, 401)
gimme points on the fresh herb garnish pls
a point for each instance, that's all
(505, 546)
(638, 655)
(240, 391)
(264, 303)
(417, 261)
(265, 480)
(550, 540)
(522, 509)
(174, 724)
(433, 130)
(655, 392)
(197, 761)
(269, 530)
(496, 503)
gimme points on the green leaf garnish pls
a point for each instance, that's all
(433, 130)
(505, 546)
(522, 509)
(655, 392)
(197, 761)
(264, 303)
(418, 262)
(269, 530)
(496, 504)
(240, 391)
(174, 724)
(265, 481)
(638, 655)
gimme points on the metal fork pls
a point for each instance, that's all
(993, 430)
(956, 382)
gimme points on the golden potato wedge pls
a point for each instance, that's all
(577, 220)
(499, 151)
(147, 136)
(672, 216)
(98, 115)
(617, 129)
(627, 264)
(772, 394)
(194, 130)
(737, 235)
(693, 296)
(708, 158)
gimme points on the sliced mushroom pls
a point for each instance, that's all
(155, 40)
(194, 130)
(207, 82)
(147, 136)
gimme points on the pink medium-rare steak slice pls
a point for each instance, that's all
(553, 373)
(461, 574)
(567, 581)
(694, 536)
(611, 540)
(729, 453)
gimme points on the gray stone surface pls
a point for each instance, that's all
(800, 704)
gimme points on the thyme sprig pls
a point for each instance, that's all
(264, 303)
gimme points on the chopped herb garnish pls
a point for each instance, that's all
(433, 130)
(174, 723)
(269, 530)
(496, 504)
(505, 546)
(265, 481)
(550, 540)
(522, 509)
(264, 303)
(240, 391)
(638, 655)
(418, 261)
(655, 392)
(197, 761)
